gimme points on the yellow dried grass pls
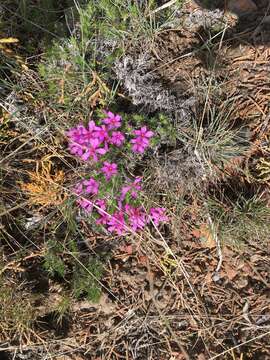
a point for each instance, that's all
(46, 187)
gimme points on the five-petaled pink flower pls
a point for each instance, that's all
(158, 215)
(86, 204)
(101, 133)
(109, 169)
(89, 133)
(144, 133)
(117, 138)
(139, 145)
(91, 186)
(113, 121)
(141, 141)
(136, 216)
(133, 188)
(116, 223)
(93, 151)
(77, 133)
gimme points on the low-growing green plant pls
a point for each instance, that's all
(86, 278)
(53, 262)
(79, 71)
(125, 20)
(82, 280)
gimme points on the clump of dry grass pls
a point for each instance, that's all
(17, 313)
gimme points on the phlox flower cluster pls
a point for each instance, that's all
(141, 141)
(95, 143)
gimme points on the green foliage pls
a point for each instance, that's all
(220, 143)
(164, 129)
(53, 262)
(119, 19)
(83, 279)
(78, 71)
(66, 220)
(86, 280)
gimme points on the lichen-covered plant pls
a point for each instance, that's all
(146, 88)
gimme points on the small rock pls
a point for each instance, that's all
(241, 7)
(216, 277)
(32, 222)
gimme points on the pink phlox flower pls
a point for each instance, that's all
(117, 138)
(77, 134)
(88, 136)
(93, 151)
(101, 206)
(157, 215)
(136, 216)
(92, 126)
(133, 188)
(102, 133)
(103, 220)
(139, 145)
(86, 204)
(83, 142)
(144, 133)
(76, 142)
(91, 186)
(113, 121)
(76, 149)
(116, 223)
(109, 169)
(78, 189)
(141, 142)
